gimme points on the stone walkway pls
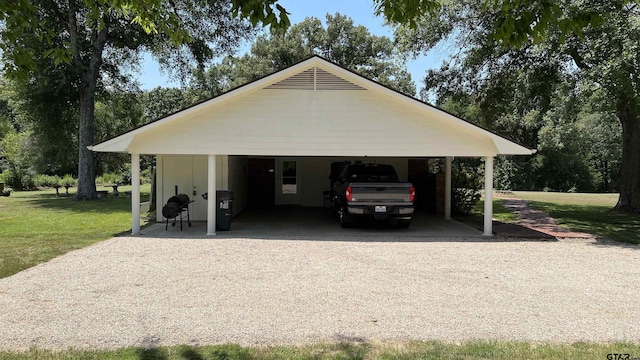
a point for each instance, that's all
(534, 224)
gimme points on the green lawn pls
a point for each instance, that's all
(37, 226)
(396, 350)
(589, 213)
(500, 212)
(606, 200)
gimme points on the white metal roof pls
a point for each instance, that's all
(313, 108)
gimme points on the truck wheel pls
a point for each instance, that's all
(344, 220)
(404, 224)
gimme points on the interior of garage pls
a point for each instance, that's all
(306, 181)
(264, 184)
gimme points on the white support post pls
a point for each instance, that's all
(447, 187)
(488, 196)
(159, 188)
(135, 194)
(211, 202)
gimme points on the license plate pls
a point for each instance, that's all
(380, 209)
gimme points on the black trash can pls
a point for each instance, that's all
(224, 199)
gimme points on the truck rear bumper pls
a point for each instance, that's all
(381, 212)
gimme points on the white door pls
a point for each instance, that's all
(186, 175)
(200, 186)
(288, 181)
(176, 176)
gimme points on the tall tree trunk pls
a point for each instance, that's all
(89, 72)
(86, 163)
(629, 200)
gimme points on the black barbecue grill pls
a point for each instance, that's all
(176, 207)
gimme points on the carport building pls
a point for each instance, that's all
(272, 141)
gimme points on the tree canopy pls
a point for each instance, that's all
(92, 42)
(340, 41)
(536, 85)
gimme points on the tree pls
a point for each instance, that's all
(351, 46)
(598, 120)
(591, 40)
(6, 118)
(48, 110)
(609, 54)
(18, 149)
(161, 102)
(116, 111)
(514, 22)
(95, 39)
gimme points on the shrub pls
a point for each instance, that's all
(106, 178)
(6, 191)
(117, 180)
(126, 174)
(111, 179)
(466, 184)
(68, 181)
(48, 181)
(41, 180)
(146, 176)
(20, 180)
(464, 199)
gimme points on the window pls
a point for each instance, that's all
(289, 177)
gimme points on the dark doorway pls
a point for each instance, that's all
(262, 182)
(425, 184)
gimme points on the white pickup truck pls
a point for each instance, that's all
(372, 191)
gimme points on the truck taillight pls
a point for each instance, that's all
(348, 194)
(412, 193)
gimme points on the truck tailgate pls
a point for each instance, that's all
(387, 193)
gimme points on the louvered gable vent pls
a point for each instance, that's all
(315, 79)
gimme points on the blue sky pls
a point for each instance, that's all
(361, 11)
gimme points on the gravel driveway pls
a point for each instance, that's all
(148, 291)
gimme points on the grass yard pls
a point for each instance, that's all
(604, 200)
(397, 350)
(37, 226)
(590, 213)
(500, 212)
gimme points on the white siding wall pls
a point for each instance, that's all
(314, 123)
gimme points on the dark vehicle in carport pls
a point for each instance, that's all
(372, 191)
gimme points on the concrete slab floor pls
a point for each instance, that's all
(313, 223)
